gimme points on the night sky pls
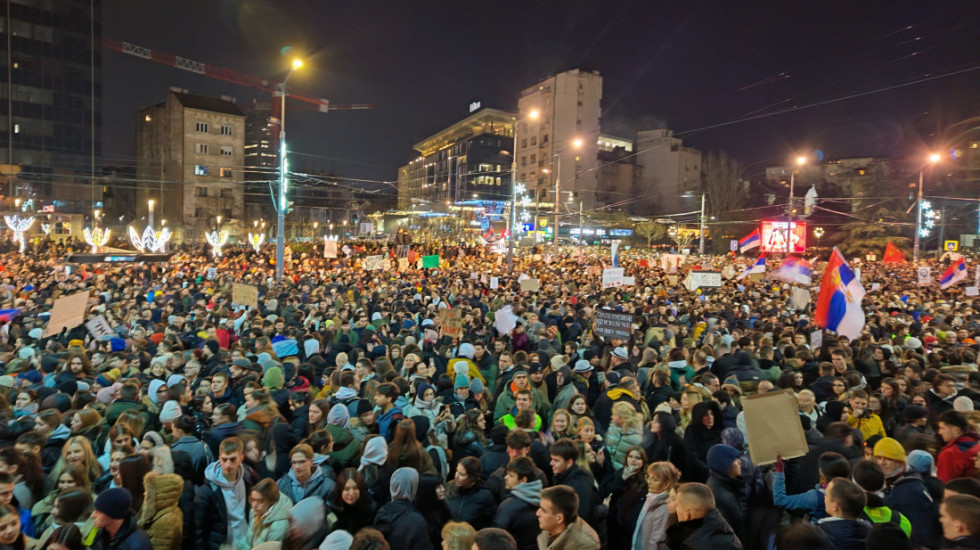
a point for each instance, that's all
(689, 65)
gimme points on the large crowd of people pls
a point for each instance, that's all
(457, 407)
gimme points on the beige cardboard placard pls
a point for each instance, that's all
(67, 312)
(772, 427)
(451, 322)
(245, 295)
(531, 285)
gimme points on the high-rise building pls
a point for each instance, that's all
(50, 117)
(670, 170)
(557, 131)
(190, 153)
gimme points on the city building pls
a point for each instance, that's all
(468, 160)
(52, 109)
(670, 170)
(855, 177)
(557, 145)
(190, 154)
(618, 173)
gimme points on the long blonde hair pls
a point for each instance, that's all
(631, 419)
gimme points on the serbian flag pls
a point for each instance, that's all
(839, 303)
(953, 275)
(892, 255)
(758, 267)
(8, 314)
(749, 241)
(794, 270)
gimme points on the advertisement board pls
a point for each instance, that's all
(773, 235)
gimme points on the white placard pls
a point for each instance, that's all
(329, 249)
(504, 320)
(402, 264)
(972, 291)
(702, 279)
(629, 281)
(373, 263)
(875, 287)
(99, 328)
(924, 275)
(612, 277)
(801, 297)
(347, 250)
(494, 283)
(816, 339)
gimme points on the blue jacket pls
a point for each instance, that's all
(387, 420)
(910, 496)
(810, 501)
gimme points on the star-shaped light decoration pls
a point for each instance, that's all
(216, 241)
(97, 237)
(151, 241)
(19, 226)
(256, 240)
(46, 227)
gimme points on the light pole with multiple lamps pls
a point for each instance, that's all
(576, 144)
(513, 192)
(790, 210)
(281, 203)
(933, 159)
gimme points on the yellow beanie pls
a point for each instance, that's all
(890, 448)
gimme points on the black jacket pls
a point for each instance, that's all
(354, 518)
(710, 532)
(518, 518)
(726, 491)
(211, 514)
(402, 526)
(588, 496)
(699, 439)
(845, 534)
(129, 537)
(474, 505)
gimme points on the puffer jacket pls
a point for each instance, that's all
(273, 525)
(161, 518)
(618, 442)
(474, 505)
(321, 485)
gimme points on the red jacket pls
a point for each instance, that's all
(956, 458)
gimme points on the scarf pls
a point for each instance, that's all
(680, 364)
(26, 411)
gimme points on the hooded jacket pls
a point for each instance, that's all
(516, 514)
(321, 484)
(618, 442)
(271, 526)
(956, 458)
(709, 532)
(162, 519)
(401, 524)
(216, 521)
(698, 439)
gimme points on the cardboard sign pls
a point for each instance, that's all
(386, 264)
(629, 281)
(672, 280)
(972, 291)
(613, 324)
(702, 279)
(801, 298)
(451, 321)
(772, 427)
(402, 264)
(612, 277)
(67, 312)
(245, 295)
(530, 285)
(429, 262)
(373, 263)
(816, 340)
(329, 249)
(99, 328)
(924, 276)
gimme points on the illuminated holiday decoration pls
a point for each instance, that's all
(216, 241)
(256, 240)
(928, 219)
(19, 226)
(97, 237)
(151, 241)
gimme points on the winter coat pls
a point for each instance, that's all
(467, 443)
(403, 526)
(347, 448)
(273, 525)
(353, 518)
(602, 412)
(619, 442)
(129, 537)
(221, 432)
(588, 496)
(211, 512)
(956, 458)
(909, 496)
(495, 457)
(727, 490)
(577, 536)
(709, 532)
(651, 525)
(626, 501)
(165, 526)
(845, 534)
(699, 439)
(516, 514)
(474, 505)
(321, 485)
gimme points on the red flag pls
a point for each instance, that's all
(892, 255)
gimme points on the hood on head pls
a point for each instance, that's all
(404, 484)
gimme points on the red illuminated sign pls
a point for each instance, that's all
(773, 235)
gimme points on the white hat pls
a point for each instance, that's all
(170, 412)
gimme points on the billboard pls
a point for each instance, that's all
(773, 235)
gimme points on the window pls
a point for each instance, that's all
(534, 141)
(227, 194)
(201, 148)
(201, 127)
(225, 130)
(225, 172)
(202, 191)
(523, 143)
(523, 161)
(534, 158)
(200, 169)
(227, 151)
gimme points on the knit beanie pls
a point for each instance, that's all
(212, 346)
(920, 461)
(890, 448)
(273, 378)
(114, 503)
(476, 386)
(337, 540)
(963, 404)
(721, 457)
(170, 412)
(363, 407)
(461, 382)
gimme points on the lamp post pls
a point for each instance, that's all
(513, 193)
(283, 178)
(790, 211)
(933, 159)
(576, 144)
(701, 228)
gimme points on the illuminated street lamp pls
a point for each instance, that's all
(921, 207)
(281, 203)
(818, 232)
(533, 114)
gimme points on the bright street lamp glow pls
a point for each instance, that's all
(533, 114)
(577, 143)
(934, 158)
(801, 160)
(297, 63)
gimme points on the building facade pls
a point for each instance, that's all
(469, 160)
(557, 145)
(50, 112)
(670, 170)
(190, 154)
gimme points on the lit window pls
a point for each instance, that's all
(200, 169)
(225, 172)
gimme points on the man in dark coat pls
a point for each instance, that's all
(699, 524)
(516, 514)
(563, 456)
(725, 481)
(220, 504)
(402, 525)
(117, 526)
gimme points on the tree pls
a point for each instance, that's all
(721, 176)
(650, 231)
(873, 235)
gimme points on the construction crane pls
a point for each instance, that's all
(227, 75)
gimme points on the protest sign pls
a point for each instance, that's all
(702, 279)
(373, 263)
(629, 281)
(612, 277)
(494, 283)
(972, 291)
(402, 264)
(430, 261)
(212, 273)
(924, 276)
(245, 295)
(875, 287)
(386, 264)
(530, 285)
(504, 320)
(613, 324)
(801, 297)
(672, 280)
(99, 328)
(329, 249)
(451, 321)
(816, 340)
(67, 312)
(347, 250)
(772, 427)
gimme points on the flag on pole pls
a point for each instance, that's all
(810, 201)
(749, 241)
(953, 275)
(758, 267)
(614, 250)
(839, 303)
(892, 255)
(794, 270)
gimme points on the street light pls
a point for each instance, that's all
(800, 161)
(576, 144)
(283, 170)
(533, 114)
(933, 159)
